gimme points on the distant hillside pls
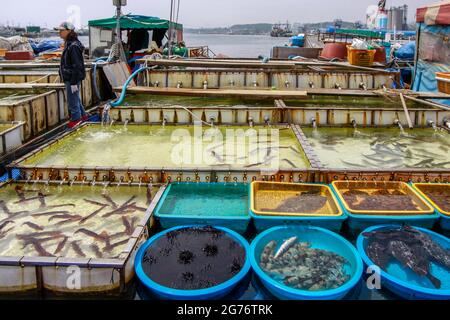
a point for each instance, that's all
(242, 29)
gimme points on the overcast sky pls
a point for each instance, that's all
(196, 13)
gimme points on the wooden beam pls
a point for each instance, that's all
(428, 103)
(405, 108)
(255, 94)
(13, 86)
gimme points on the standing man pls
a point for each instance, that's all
(72, 72)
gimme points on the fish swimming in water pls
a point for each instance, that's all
(33, 226)
(285, 247)
(41, 197)
(96, 203)
(4, 224)
(61, 245)
(96, 250)
(290, 163)
(77, 249)
(57, 206)
(101, 237)
(50, 213)
(110, 201)
(122, 208)
(3, 233)
(110, 247)
(93, 214)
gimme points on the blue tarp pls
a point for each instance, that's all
(15, 176)
(433, 56)
(406, 52)
(45, 45)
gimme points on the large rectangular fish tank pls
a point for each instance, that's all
(380, 148)
(56, 226)
(183, 147)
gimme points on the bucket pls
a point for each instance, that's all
(319, 238)
(402, 281)
(334, 50)
(214, 292)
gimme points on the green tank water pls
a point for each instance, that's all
(379, 148)
(187, 147)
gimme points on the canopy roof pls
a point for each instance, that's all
(135, 22)
(435, 14)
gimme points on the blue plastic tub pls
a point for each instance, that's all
(319, 238)
(215, 204)
(359, 222)
(216, 292)
(263, 221)
(404, 282)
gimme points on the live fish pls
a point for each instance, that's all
(93, 214)
(96, 250)
(4, 224)
(110, 200)
(77, 249)
(285, 247)
(96, 203)
(65, 217)
(3, 233)
(122, 208)
(41, 197)
(61, 245)
(40, 249)
(117, 244)
(50, 213)
(400, 251)
(290, 163)
(411, 247)
(101, 237)
(61, 206)
(33, 226)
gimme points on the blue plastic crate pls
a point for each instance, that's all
(205, 204)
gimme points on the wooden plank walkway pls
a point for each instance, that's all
(256, 94)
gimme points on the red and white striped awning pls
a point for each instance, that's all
(435, 14)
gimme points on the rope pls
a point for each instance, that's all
(37, 80)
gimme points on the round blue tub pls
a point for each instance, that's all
(403, 282)
(319, 238)
(216, 292)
